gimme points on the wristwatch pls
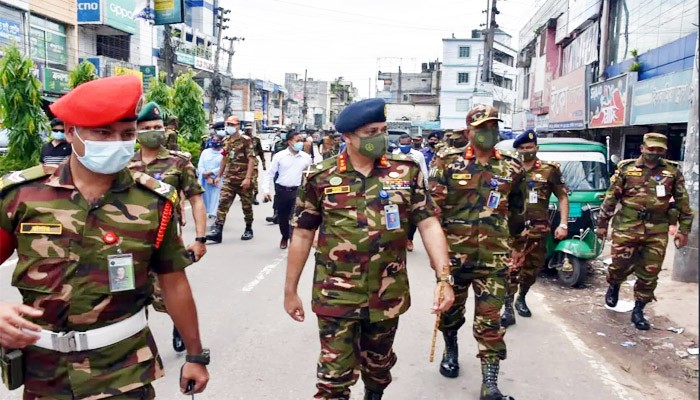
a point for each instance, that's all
(449, 279)
(201, 239)
(564, 226)
(201, 358)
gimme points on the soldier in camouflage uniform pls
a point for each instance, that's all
(362, 202)
(542, 178)
(480, 195)
(175, 169)
(171, 129)
(77, 228)
(259, 153)
(238, 167)
(644, 188)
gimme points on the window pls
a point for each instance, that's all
(526, 83)
(116, 47)
(464, 51)
(463, 77)
(463, 105)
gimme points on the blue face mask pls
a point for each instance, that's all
(58, 135)
(405, 148)
(106, 157)
(298, 146)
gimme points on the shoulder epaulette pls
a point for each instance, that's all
(624, 163)
(511, 158)
(449, 150)
(162, 189)
(552, 163)
(317, 168)
(17, 178)
(182, 154)
(676, 164)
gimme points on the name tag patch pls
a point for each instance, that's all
(40, 229)
(462, 176)
(336, 190)
(633, 173)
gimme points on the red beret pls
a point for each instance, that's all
(100, 102)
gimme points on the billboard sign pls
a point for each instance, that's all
(567, 105)
(608, 102)
(662, 100)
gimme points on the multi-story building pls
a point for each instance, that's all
(412, 96)
(342, 93)
(462, 86)
(318, 100)
(258, 101)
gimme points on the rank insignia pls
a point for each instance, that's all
(40, 229)
(336, 190)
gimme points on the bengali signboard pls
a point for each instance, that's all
(56, 81)
(185, 58)
(148, 71)
(608, 102)
(662, 100)
(567, 105)
(581, 51)
(203, 64)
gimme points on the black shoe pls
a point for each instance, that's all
(521, 306)
(508, 318)
(489, 385)
(638, 319)
(449, 367)
(178, 343)
(247, 234)
(371, 395)
(255, 201)
(612, 295)
(216, 233)
(273, 219)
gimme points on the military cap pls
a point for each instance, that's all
(529, 136)
(655, 140)
(434, 135)
(359, 114)
(233, 120)
(482, 113)
(218, 125)
(149, 112)
(101, 102)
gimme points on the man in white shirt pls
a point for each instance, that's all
(406, 147)
(289, 164)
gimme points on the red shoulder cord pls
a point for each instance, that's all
(167, 213)
(7, 245)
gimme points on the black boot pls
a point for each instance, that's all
(489, 385)
(255, 200)
(520, 304)
(272, 219)
(508, 318)
(215, 235)
(248, 233)
(372, 395)
(449, 367)
(638, 319)
(612, 295)
(178, 343)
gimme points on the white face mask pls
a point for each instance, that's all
(106, 157)
(230, 130)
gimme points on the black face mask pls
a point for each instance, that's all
(432, 144)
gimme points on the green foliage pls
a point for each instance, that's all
(635, 53)
(162, 94)
(635, 67)
(84, 72)
(188, 105)
(20, 110)
(194, 148)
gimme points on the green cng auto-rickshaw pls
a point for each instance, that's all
(584, 167)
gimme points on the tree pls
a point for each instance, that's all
(84, 72)
(162, 94)
(188, 103)
(20, 110)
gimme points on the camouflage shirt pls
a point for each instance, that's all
(645, 198)
(462, 188)
(65, 273)
(237, 150)
(360, 264)
(259, 152)
(171, 167)
(171, 140)
(544, 178)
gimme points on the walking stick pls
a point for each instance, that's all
(437, 325)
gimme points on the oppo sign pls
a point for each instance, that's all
(121, 11)
(118, 14)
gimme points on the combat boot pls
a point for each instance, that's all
(273, 219)
(248, 233)
(489, 382)
(520, 304)
(216, 233)
(178, 343)
(508, 318)
(372, 395)
(638, 319)
(449, 367)
(612, 295)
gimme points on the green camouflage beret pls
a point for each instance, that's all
(149, 112)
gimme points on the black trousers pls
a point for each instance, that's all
(286, 198)
(411, 231)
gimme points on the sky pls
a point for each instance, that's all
(353, 38)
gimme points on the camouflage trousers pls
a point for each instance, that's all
(641, 255)
(254, 179)
(350, 347)
(157, 295)
(526, 275)
(490, 286)
(143, 393)
(229, 191)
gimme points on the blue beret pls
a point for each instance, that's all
(359, 114)
(529, 136)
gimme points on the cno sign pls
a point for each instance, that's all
(89, 11)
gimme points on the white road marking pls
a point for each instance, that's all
(266, 270)
(10, 263)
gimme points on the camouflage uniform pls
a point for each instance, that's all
(478, 237)
(360, 281)
(66, 275)
(238, 150)
(175, 169)
(259, 152)
(171, 140)
(640, 227)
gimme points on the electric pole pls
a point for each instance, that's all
(231, 51)
(488, 51)
(215, 87)
(168, 54)
(304, 107)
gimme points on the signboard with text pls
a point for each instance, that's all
(148, 71)
(119, 14)
(56, 81)
(169, 11)
(89, 11)
(567, 105)
(664, 99)
(10, 32)
(608, 102)
(184, 58)
(203, 64)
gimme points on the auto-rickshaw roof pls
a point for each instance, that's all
(558, 144)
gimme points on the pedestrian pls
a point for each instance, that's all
(279, 144)
(259, 153)
(542, 178)
(480, 193)
(309, 146)
(209, 171)
(406, 147)
(361, 202)
(175, 169)
(57, 150)
(417, 140)
(327, 147)
(171, 133)
(645, 188)
(429, 152)
(81, 328)
(238, 165)
(285, 171)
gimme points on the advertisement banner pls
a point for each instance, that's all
(567, 105)
(581, 51)
(169, 11)
(184, 58)
(89, 12)
(56, 49)
(608, 102)
(127, 71)
(203, 64)
(662, 100)
(10, 32)
(148, 71)
(236, 100)
(119, 14)
(56, 81)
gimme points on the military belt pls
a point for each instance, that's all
(643, 215)
(69, 342)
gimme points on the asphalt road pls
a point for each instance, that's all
(258, 352)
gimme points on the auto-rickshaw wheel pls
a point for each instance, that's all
(573, 270)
